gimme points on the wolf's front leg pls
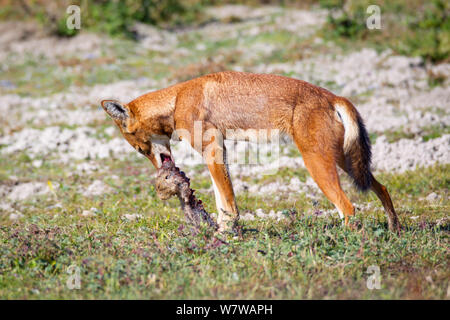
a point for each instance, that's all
(227, 210)
(213, 152)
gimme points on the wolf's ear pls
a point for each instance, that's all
(115, 109)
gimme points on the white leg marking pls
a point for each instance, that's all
(341, 215)
(219, 204)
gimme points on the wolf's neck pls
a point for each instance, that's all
(159, 103)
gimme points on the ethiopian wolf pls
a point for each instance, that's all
(327, 129)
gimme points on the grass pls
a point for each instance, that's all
(426, 133)
(412, 28)
(67, 73)
(301, 257)
(310, 258)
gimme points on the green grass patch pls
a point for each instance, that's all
(412, 28)
(426, 133)
(302, 257)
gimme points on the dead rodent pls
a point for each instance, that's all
(171, 181)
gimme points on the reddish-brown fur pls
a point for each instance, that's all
(236, 100)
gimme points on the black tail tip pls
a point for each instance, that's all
(364, 182)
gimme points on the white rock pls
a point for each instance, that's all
(260, 213)
(89, 213)
(37, 163)
(247, 216)
(433, 197)
(25, 190)
(5, 207)
(132, 217)
(409, 154)
(97, 188)
(15, 216)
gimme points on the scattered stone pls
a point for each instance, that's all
(65, 144)
(87, 167)
(37, 163)
(23, 191)
(132, 217)
(5, 207)
(54, 206)
(97, 188)
(247, 217)
(442, 221)
(89, 213)
(433, 197)
(22, 40)
(410, 154)
(110, 131)
(153, 38)
(260, 213)
(15, 216)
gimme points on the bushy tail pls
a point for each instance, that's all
(356, 145)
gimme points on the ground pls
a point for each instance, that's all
(73, 193)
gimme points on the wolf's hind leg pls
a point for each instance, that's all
(324, 172)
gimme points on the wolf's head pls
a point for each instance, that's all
(146, 136)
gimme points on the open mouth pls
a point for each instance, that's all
(165, 157)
